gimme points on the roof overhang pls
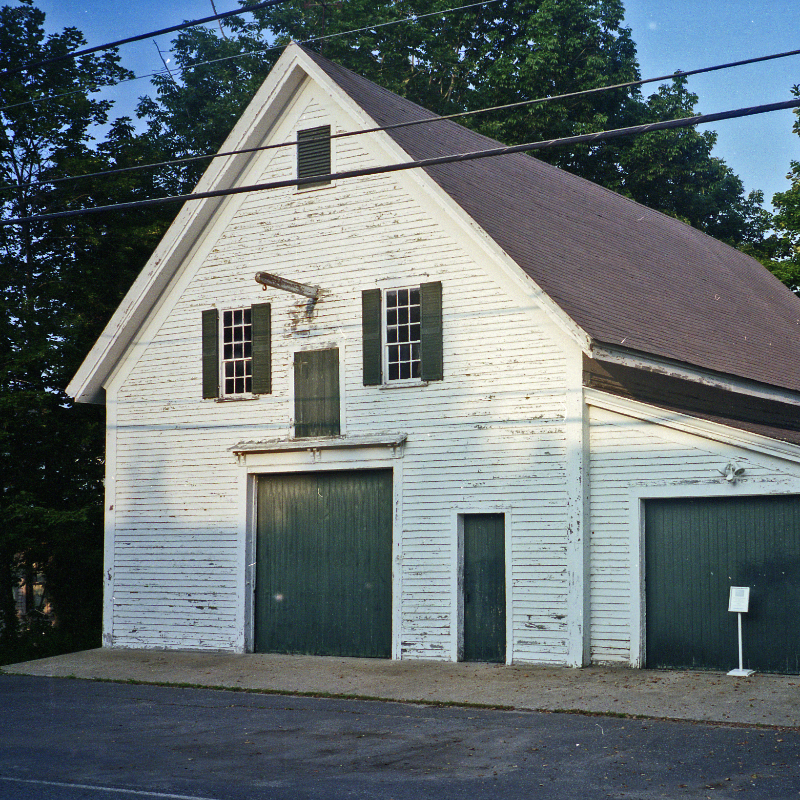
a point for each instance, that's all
(678, 369)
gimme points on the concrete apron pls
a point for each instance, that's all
(703, 696)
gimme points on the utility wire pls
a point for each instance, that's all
(599, 136)
(139, 37)
(444, 11)
(427, 120)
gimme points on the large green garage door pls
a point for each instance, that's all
(695, 550)
(324, 563)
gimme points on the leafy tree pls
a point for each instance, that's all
(59, 281)
(675, 172)
(780, 252)
(499, 53)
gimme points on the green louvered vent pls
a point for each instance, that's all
(432, 368)
(314, 153)
(210, 353)
(316, 393)
(371, 336)
(261, 317)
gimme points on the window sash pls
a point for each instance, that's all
(236, 351)
(402, 334)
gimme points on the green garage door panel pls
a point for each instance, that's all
(324, 564)
(695, 550)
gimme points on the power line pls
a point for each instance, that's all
(139, 37)
(427, 120)
(599, 136)
(38, 100)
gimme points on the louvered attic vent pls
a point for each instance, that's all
(314, 153)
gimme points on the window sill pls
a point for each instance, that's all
(237, 398)
(314, 187)
(403, 384)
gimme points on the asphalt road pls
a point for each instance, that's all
(66, 739)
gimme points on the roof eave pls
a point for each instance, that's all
(639, 359)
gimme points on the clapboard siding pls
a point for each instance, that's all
(492, 433)
(626, 455)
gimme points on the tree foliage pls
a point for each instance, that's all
(780, 251)
(59, 283)
(674, 171)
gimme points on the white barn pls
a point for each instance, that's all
(525, 419)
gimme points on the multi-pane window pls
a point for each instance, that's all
(237, 352)
(403, 334)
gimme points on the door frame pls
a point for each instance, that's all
(637, 495)
(457, 576)
(310, 458)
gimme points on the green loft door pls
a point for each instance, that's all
(316, 393)
(324, 564)
(484, 587)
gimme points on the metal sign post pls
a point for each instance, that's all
(739, 601)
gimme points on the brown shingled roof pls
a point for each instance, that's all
(627, 275)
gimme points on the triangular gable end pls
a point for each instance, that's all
(266, 109)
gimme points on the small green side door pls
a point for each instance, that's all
(324, 563)
(484, 587)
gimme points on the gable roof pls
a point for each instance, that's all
(629, 276)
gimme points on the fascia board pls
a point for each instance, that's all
(188, 227)
(685, 423)
(675, 369)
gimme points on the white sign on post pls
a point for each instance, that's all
(739, 599)
(739, 602)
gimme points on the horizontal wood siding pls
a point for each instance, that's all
(489, 435)
(627, 453)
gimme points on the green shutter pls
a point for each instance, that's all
(261, 319)
(314, 152)
(210, 353)
(316, 393)
(431, 347)
(371, 336)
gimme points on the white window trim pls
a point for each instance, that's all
(396, 383)
(224, 397)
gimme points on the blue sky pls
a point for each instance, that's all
(669, 35)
